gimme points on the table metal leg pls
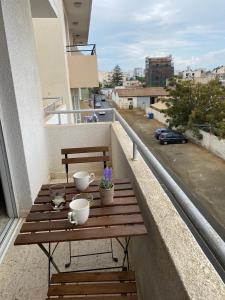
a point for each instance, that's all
(50, 259)
(126, 255)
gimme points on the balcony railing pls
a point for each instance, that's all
(203, 227)
(51, 103)
(82, 49)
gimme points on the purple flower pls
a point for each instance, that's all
(108, 174)
(106, 182)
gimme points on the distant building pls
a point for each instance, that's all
(131, 83)
(138, 72)
(138, 97)
(158, 70)
(198, 75)
(104, 76)
(219, 73)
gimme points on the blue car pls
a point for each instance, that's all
(159, 131)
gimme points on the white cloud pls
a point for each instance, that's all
(204, 30)
(127, 31)
(162, 13)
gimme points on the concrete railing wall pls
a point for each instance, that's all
(209, 141)
(169, 263)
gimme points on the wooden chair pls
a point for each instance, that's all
(103, 156)
(93, 286)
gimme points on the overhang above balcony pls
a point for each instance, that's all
(78, 15)
(43, 9)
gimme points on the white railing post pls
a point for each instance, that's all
(59, 119)
(114, 115)
(135, 152)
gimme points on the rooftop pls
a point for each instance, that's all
(141, 92)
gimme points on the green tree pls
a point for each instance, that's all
(195, 106)
(96, 90)
(141, 79)
(107, 84)
(117, 76)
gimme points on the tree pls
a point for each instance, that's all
(117, 77)
(141, 79)
(195, 106)
(97, 89)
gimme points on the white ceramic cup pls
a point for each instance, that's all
(80, 209)
(83, 179)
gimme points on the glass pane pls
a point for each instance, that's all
(4, 218)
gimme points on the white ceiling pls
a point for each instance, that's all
(80, 14)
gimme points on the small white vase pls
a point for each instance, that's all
(106, 196)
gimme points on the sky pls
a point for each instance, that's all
(126, 31)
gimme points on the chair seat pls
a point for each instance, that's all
(93, 286)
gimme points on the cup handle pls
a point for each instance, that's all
(91, 177)
(72, 217)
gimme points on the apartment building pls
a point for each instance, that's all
(170, 263)
(158, 70)
(40, 58)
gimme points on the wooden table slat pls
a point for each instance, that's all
(81, 234)
(117, 194)
(96, 182)
(91, 189)
(97, 203)
(94, 212)
(91, 222)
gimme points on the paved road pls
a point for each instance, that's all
(199, 172)
(108, 115)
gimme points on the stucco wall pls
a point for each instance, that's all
(83, 71)
(169, 263)
(143, 102)
(21, 114)
(157, 115)
(52, 61)
(69, 136)
(210, 142)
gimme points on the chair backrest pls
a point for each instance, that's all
(102, 150)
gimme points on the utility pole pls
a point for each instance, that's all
(94, 101)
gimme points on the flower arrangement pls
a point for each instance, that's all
(106, 182)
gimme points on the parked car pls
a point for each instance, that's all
(103, 98)
(172, 138)
(159, 131)
(101, 113)
(98, 104)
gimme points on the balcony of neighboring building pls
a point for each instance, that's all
(82, 64)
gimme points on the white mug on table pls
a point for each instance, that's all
(80, 209)
(83, 179)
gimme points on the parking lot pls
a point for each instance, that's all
(200, 173)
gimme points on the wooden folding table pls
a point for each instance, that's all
(121, 219)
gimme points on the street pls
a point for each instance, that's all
(199, 173)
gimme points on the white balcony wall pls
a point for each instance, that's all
(72, 136)
(20, 111)
(169, 263)
(52, 61)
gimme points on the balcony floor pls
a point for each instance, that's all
(23, 272)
